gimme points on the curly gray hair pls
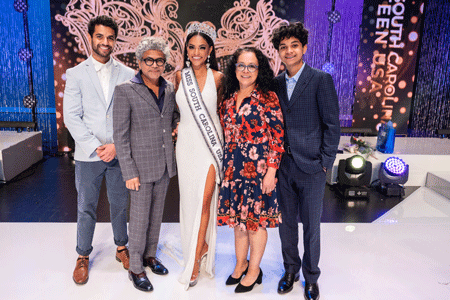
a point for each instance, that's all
(152, 43)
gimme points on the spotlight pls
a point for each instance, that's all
(354, 174)
(392, 175)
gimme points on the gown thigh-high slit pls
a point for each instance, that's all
(193, 162)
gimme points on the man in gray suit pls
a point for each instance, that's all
(144, 116)
(311, 118)
(87, 106)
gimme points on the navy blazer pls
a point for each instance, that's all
(311, 119)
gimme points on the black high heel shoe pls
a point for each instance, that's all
(232, 281)
(243, 289)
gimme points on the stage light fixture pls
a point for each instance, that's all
(392, 175)
(355, 165)
(354, 175)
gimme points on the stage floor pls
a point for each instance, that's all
(378, 249)
(359, 261)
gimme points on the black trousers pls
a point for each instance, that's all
(300, 194)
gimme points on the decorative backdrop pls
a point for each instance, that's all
(390, 37)
(14, 84)
(333, 24)
(336, 44)
(238, 23)
(431, 101)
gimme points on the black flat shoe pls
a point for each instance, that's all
(140, 281)
(286, 283)
(311, 291)
(155, 265)
(232, 281)
(244, 289)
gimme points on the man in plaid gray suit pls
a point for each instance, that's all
(144, 116)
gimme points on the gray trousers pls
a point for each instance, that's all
(88, 180)
(146, 212)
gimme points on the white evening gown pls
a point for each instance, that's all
(193, 161)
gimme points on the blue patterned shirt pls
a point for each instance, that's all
(292, 81)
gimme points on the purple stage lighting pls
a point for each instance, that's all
(395, 166)
(392, 175)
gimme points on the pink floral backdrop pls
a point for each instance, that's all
(240, 25)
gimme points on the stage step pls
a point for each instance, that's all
(18, 151)
(439, 182)
(424, 206)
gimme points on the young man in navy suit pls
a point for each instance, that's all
(311, 116)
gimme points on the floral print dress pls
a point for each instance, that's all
(253, 142)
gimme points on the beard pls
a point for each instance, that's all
(100, 52)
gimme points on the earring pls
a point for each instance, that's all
(207, 62)
(188, 63)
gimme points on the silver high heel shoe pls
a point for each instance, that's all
(200, 261)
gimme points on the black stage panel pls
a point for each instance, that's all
(46, 193)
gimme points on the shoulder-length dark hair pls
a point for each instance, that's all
(212, 58)
(264, 81)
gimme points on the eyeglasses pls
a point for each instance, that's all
(159, 61)
(251, 67)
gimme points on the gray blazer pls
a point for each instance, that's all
(143, 133)
(86, 114)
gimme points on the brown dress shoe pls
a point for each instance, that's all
(81, 272)
(123, 256)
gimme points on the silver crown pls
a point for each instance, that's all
(203, 28)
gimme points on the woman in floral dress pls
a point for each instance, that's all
(253, 127)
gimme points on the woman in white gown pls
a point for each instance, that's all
(198, 171)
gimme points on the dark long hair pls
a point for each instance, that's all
(264, 81)
(212, 57)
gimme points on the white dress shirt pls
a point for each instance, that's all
(104, 75)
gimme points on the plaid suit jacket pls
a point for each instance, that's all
(311, 119)
(143, 133)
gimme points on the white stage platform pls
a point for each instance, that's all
(404, 254)
(395, 260)
(401, 255)
(18, 151)
(423, 155)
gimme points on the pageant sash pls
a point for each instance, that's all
(202, 117)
